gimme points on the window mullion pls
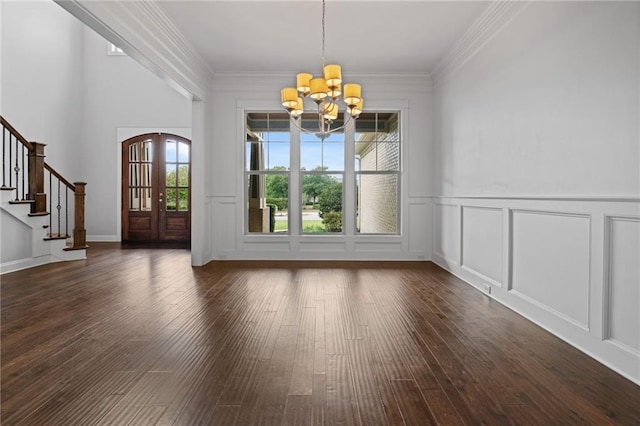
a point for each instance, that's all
(295, 183)
(349, 180)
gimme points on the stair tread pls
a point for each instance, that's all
(22, 201)
(39, 214)
(56, 237)
(7, 188)
(75, 248)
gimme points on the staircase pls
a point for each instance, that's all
(37, 207)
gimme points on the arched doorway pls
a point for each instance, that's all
(156, 188)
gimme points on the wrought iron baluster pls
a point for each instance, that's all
(58, 207)
(23, 173)
(17, 169)
(66, 211)
(10, 158)
(4, 166)
(50, 204)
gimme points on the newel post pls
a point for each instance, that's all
(36, 178)
(79, 233)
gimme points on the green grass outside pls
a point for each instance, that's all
(309, 226)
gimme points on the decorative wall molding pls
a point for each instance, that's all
(489, 23)
(595, 198)
(464, 263)
(585, 240)
(147, 35)
(608, 334)
(563, 263)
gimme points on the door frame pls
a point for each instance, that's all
(122, 134)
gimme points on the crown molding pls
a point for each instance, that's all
(492, 20)
(144, 32)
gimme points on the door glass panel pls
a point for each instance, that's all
(145, 202)
(183, 199)
(170, 152)
(145, 174)
(183, 175)
(171, 199)
(183, 152)
(134, 199)
(171, 175)
(147, 149)
(134, 175)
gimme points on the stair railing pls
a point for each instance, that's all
(23, 171)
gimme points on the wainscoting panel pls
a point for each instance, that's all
(551, 262)
(419, 218)
(570, 265)
(622, 283)
(482, 243)
(225, 225)
(446, 232)
(325, 246)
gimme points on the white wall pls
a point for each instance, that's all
(41, 86)
(233, 95)
(118, 93)
(537, 162)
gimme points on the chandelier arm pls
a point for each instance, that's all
(324, 62)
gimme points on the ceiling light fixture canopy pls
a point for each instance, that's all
(325, 91)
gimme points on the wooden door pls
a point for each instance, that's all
(156, 188)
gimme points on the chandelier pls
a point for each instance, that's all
(325, 92)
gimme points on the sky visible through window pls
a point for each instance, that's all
(329, 154)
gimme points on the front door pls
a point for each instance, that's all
(156, 188)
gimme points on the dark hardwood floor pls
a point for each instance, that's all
(137, 336)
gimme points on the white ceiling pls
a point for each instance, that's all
(273, 36)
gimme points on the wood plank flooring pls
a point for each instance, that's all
(136, 336)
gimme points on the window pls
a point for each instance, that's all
(322, 175)
(377, 170)
(322, 172)
(113, 50)
(267, 149)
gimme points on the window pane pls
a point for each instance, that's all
(388, 155)
(333, 155)
(134, 199)
(377, 204)
(183, 199)
(139, 199)
(278, 156)
(171, 199)
(171, 175)
(366, 156)
(268, 203)
(387, 127)
(183, 152)
(170, 152)
(366, 127)
(311, 156)
(183, 175)
(318, 155)
(322, 203)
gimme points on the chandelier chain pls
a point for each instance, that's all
(324, 62)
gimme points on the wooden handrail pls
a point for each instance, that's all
(60, 177)
(16, 133)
